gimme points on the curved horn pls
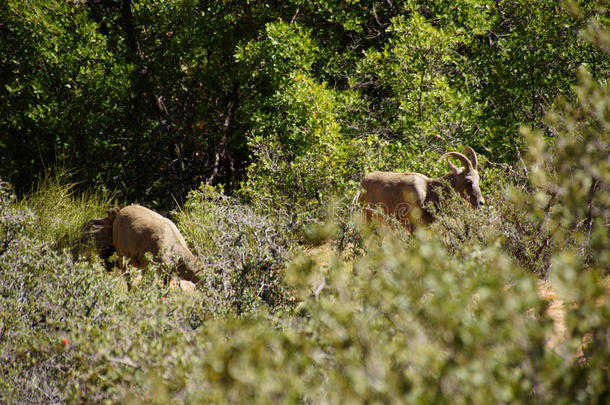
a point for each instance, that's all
(473, 156)
(458, 155)
(452, 167)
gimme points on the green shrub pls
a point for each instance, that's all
(400, 323)
(504, 221)
(70, 332)
(243, 250)
(403, 324)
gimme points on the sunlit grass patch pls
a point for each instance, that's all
(61, 211)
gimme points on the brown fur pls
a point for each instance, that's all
(137, 230)
(405, 195)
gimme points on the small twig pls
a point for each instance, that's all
(125, 361)
(51, 399)
(375, 14)
(522, 163)
(506, 167)
(421, 91)
(294, 17)
(589, 220)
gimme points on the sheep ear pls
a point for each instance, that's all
(112, 214)
(452, 167)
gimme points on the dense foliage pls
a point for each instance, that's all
(258, 119)
(151, 98)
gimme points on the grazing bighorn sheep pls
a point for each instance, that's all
(405, 195)
(137, 230)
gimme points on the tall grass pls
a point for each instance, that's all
(61, 211)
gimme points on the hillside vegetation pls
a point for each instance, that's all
(249, 124)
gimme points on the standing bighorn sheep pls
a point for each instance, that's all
(137, 230)
(406, 195)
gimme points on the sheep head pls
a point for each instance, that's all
(465, 180)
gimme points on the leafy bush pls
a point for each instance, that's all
(69, 332)
(503, 222)
(243, 250)
(400, 323)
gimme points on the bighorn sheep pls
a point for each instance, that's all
(137, 230)
(405, 195)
